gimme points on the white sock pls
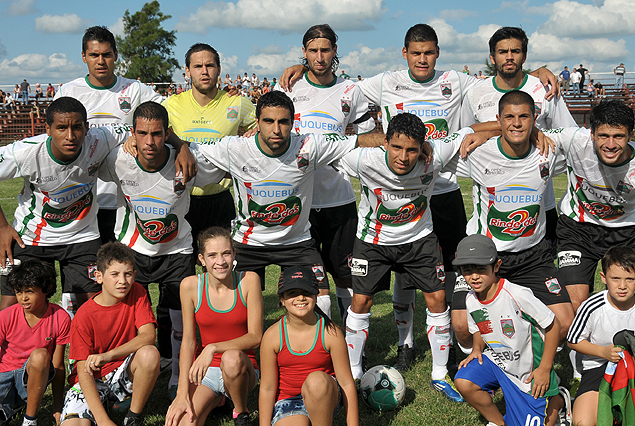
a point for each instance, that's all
(357, 326)
(576, 363)
(324, 302)
(465, 350)
(29, 422)
(438, 327)
(403, 305)
(344, 298)
(176, 337)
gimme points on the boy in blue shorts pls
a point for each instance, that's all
(33, 338)
(518, 335)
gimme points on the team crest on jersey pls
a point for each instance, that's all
(544, 171)
(426, 179)
(318, 270)
(507, 326)
(124, 104)
(346, 107)
(446, 90)
(92, 169)
(232, 113)
(91, 272)
(303, 161)
(553, 285)
(179, 185)
(537, 108)
(441, 272)
(623, 187)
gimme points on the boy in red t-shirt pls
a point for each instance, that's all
(112, 344)
(33, 338)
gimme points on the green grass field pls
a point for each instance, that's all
(421, 406)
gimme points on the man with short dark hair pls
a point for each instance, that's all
(25, 88)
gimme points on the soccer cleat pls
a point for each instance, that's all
(446, 387)
(564, 415)
(405, 356)
(242, 419)
(122, 407)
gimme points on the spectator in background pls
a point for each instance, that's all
(16, 92)
(228, 81)
(187, 82)
(481, 76)
(574, 78)
(583, 72)
(25, 88)
(345, 76)
(238, 81)
(255, 81)
(246, 81)
(599, 90)
(564, 75)
(50, 92)
(9, 103)
(359, 77)
(179, 90)
(619, 76)
(39, 94)
(273, 83)
(2, 95)
(590, 88)
(266, 86)
(466, 70)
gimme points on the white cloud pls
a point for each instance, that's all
(228, 63)
(52, 68)
(572, 19)
(266, 14)
(3, 49)
(21, 8)
(367, 62)
(457, 14)
(117, 27)
(272, 61)
(61, 24)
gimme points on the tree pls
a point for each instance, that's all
(146, 49)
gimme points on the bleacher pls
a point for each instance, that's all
(22, 122)
(580, 106)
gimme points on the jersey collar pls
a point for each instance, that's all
(320, 86)
(522, 83)
(422, 81)
(167, 157)
(272, 156)
(500, 148)
(100, 88)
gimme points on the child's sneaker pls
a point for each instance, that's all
(242, 419)
(564, 415)
(446, 387)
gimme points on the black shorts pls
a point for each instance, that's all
(449, 223)
(106, 222)
(78, 263)
(582, 245)
(168, 271)
(591, 380)
(333, 230)
(210, 210)
(419, 265)
(304, 253)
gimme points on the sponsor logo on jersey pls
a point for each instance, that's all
(600, 210)
(440, 272)
(92, 169)
(406, 213)
(569, 258)
(486, 105)
(359, 267)
(481, 318)
(537, 108)
(553, 285)
(436, 129)
(44, 179)
(78, 210)
(422, 109)
(91, 269)
(271, 189)
(318, 271)
(493, 172)
(199, 135)
(317, 122)
(124, 104)
(125, 182)
(346, 107)
(281, 213)
(400, 87)
(446, 90)
(507, 326)
(508, 226)
(250, 169)
(531, 196)
(426, 179)
(232, 113)
(623, 187)
(300, 99)
(544, 171)
(179, 185)
(159, 230)
(303, 161)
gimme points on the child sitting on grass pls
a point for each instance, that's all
(33, 338)
(112, 348)
(518, 335)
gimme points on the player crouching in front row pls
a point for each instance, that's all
(521, 337)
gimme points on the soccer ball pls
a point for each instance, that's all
(383, 388)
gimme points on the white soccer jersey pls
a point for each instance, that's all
(508, 193)
(153, 205)
(598, 321)
(394, 208)
(57, 205)
(596, 193)
(329, 109)
(437, 102)
(512, 325)
(113, 105)
(274, 194)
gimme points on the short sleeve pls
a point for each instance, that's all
(64, 327)
(332, 147)
(530, 305)
(143, 308)
(371, 88)
(218, 152)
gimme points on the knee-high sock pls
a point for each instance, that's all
(176, 338)
(324, 302)
(356, 334)
(438, 326)
(576, 363)
(403, 304)
(344, 298)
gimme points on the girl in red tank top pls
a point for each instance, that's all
(304, 360)
(227, 308)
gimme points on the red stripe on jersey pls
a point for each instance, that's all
(492, 197)
(578, 187)
(399, 107)
(378, 224)
(135, 233)
(251, 224)
(42, 224)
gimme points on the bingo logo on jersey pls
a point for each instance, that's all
(507, 226)
(406, 213)
(160, 230)
(78, 210)
(281, 213)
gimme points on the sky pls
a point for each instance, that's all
(40, 40)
